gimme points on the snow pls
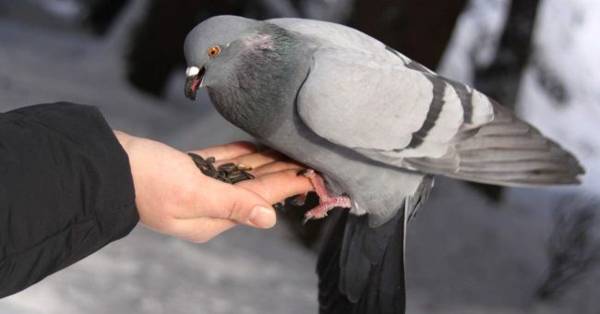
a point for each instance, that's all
(567, 43)
(475, 39)
(565, 46)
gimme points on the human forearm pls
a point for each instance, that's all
(65, 191)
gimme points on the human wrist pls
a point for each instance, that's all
(124, 139)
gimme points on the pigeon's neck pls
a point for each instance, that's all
(267, 82)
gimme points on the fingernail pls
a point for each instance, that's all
(262, 217)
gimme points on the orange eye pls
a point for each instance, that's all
(214, 51)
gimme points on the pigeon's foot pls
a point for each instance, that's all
(327, 201)
(325, 206)
(228, 173)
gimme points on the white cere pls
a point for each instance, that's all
(192, 71)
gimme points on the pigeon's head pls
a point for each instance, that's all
(212, 47)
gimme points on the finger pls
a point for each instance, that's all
(276, 167)
(278, 186)
(201, 230)
(238, 204)
(255, 160)
(214, 199)
(227, 151)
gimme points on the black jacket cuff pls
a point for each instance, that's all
(65, 190)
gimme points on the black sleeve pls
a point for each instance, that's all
(65, 190)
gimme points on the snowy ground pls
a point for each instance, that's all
(465, 254)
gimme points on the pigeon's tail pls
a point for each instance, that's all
(351, 281)
(360, 268)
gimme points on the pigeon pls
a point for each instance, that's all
(373, 127)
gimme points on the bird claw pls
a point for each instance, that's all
(318, 212)
(327, 201)
(309, 173)
(306, 220)
(229, 173)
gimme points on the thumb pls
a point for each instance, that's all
(248, 208)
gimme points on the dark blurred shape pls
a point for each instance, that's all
(102, 14)
(492, 192)
(308, 233)
(96, 16)
(157, 42)
(331, 299)
(572, 249)
(420, 29)
(548, 80)
(501, 79)
(263, 9)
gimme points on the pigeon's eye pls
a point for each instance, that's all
(214, 51)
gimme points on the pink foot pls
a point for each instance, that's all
(326, 201)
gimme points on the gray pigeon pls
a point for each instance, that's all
(374, 125)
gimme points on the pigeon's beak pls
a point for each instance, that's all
(194, 77)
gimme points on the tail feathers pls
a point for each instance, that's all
(331, 300)
(361, 269)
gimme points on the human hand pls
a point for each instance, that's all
(175, 198)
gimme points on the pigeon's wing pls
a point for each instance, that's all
(402, 114)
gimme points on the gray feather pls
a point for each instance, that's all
(506, 151)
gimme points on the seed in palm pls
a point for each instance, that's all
(228, 173)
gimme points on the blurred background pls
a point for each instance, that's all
(472, 249)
